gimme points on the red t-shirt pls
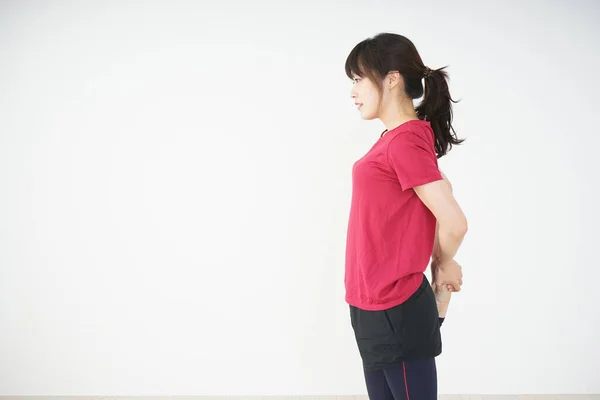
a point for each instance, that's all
(390, 231)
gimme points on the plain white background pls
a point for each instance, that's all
(175, 185)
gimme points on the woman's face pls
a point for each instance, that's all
(366, 97)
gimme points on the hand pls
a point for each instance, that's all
(449, 274)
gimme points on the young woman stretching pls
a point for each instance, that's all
(403, 215)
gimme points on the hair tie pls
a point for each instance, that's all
(428, 72)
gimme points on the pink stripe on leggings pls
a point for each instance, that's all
(405, 380)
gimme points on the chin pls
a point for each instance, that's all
(368, 114)
(368, 117)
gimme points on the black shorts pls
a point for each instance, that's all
(409, 331)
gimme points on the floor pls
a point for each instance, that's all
(521, 397)
(510, 397)
(441, 397)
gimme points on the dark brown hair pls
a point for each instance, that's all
(375, 57)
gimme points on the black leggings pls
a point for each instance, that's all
(412, 380)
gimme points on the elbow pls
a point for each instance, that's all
(460, 227)
(456, 228)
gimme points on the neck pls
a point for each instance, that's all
(398, 113)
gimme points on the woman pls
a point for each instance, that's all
(403, 215)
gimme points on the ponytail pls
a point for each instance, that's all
(436, 108)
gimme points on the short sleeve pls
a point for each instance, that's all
(414, 160)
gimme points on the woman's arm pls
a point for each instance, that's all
(451, 228)
(442, 292)
(436, 243)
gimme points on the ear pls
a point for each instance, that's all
(393, 79)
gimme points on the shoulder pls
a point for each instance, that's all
(408, 140)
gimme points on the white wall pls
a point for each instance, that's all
(175, 184)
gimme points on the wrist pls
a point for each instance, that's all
(442, 263)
